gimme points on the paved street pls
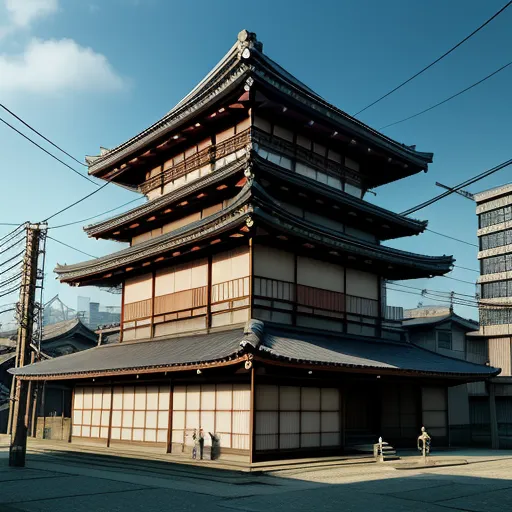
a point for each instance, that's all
(85, 482)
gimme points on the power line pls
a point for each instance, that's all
(12, 290)
(96, 216)
(15, 244)
(47, 152)
(451, 237)
(476, 178)
(71, 247)
(424, 289)
(41, 135)
(459, 280)
(435, 61)
(11, 279)
(9, 240)
(11, 259)
(77, 202)
(10, 268)
(13, 231)
(466, 268)
(447, 99)
(445, 301)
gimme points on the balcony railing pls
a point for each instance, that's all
(306, 156)
(200, 159)
(315, 298)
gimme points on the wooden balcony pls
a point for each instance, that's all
(235, 294)
(315, 298)
(207, 156)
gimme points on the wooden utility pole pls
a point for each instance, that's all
(20, 416)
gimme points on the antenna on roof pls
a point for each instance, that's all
(463, 193)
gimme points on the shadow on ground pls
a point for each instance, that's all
(84, 482)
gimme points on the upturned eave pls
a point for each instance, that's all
(245, 62)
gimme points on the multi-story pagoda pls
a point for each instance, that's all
(253, 287)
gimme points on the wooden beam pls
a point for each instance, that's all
(135, 371)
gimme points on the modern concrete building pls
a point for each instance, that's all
(494, 210)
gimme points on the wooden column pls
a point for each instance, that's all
(109, 435)
(294, 312)
(121, 324)
(70, 437)
(342, 417)
(345, 326)
(169, 423)
(495, 440)
(209, 294)
(152, 324)
(252, 429)
(43, 406)
(251, 277)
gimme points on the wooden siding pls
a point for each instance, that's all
(137, 310)
(500, 355)
(323, 299)
(180, 301)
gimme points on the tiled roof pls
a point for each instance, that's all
(358, 352)
(6, 357)
(268, 342)
(244, 59)
(436, 320)
(141, 355)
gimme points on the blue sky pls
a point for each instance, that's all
(96, 73)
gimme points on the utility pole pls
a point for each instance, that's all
(19, 406)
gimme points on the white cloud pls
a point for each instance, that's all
(48, 67)
(23, 12)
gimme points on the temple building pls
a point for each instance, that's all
(254, 301)
(494, 211)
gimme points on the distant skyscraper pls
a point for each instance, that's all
(83, 309)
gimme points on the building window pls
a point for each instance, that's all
(497, 289)
(495, 316)
(444, 340)
(498, 239)
(495, 216)
(502, 263)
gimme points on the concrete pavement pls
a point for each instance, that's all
(63, 481)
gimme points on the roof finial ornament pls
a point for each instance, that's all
(247, 41)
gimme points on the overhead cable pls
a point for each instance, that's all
(41, 135)
(20, 226)
(13, 258)
(435, 61)
(447, 99)
(451, 237)
(18, 263)
(71, 247)
(466, 268)
(76, 202)
(476, 178)
(96, 216)
(459, 280)
(12, 290)
(47, 152)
